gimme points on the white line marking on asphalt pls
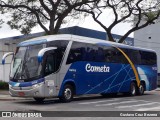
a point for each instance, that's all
(116, 103)
(99, 101)
(136, 105)
(148, 109)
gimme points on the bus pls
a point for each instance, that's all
(67, 65)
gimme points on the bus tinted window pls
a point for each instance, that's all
(85, 52)
(113, 55)
(134, 55)
(141, 57)
(100, 53)
(76, 52)
(148, 58)
(90, 52)
(59, 44)
(59, 52)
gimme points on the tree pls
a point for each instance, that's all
(140, 12)
(1, 22)
(26, 14)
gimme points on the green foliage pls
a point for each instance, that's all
(150, 15)
(4, 85)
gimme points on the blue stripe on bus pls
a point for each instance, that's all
(118, 79)
(27, 43)
(26, 84)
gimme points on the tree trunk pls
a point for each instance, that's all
(110, 37)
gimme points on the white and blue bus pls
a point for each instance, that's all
(67, 65)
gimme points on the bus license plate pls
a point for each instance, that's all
(21, 94)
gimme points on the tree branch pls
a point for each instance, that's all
(28, 8)
(123, 18)
(139, 27)
(45, 7)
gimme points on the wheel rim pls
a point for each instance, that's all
(133, 90)
(68, 93)
(141, 89)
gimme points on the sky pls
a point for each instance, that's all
(88, 22)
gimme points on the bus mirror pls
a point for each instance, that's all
(43, 51)
(6, 55)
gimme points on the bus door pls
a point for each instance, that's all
(51, 67)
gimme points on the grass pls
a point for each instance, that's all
(4, 85)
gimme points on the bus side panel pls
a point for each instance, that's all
(99, 77)
(149, 75)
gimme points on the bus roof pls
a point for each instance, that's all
(44, 39)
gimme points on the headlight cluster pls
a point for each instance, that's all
(36, 85)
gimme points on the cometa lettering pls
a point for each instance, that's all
(90, 68)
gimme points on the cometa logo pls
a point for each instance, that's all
(90, 68)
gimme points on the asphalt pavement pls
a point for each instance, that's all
(4, 95)
(148, 102)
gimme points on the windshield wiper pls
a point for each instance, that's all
(25, 72)
(17, 70)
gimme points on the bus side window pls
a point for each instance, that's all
(121, 58)
(76, 53)
(148, 58)
(109, 54)
(49, 65)
(52, 64)
(90, 53)
(100, 54)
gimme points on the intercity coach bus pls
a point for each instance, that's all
(66, 65)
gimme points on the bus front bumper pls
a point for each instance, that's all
(32, 91)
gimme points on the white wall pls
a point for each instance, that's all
(149, 37)
(4, 72)
(5, 69)
(11, 47)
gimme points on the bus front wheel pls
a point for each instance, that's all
(67, 94)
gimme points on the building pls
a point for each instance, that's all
(9, 44)
(148, 37)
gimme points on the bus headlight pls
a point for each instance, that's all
(36, 85)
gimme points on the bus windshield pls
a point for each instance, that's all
(25, 65)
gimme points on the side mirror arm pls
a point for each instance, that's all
(43, 51)
(6, 55)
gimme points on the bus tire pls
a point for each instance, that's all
(67, 94)
(141, 89)
(39, 100)
(133, 89)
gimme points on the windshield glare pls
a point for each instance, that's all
(25, 64)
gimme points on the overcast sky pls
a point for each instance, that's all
(88, 22)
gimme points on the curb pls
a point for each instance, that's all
(9, 98)
(158, 89)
